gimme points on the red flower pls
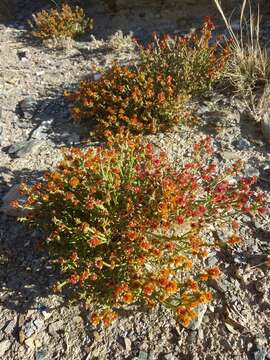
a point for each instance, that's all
(128, 298)
(262, 210)
(132, 235)
(84, 275)
(163, 281)
(214, 272)
(99, 263)
(234, 239)
(145, 245)
(169, 79)
(136, 189)
(148, 288)
(180, 219)
(73, 279)
(94, 241)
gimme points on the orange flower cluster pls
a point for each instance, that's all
(131, 98)
(107, 317)
(124, 223)
(191, 63)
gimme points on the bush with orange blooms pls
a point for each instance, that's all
(153, 95)
(130, 98)
(64, 22)
(126, 225)
(194, 62)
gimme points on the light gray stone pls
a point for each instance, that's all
(169, 356)
(28, 107)
(54, 327)
(242, 144)
(143, 355)
(212, 260)
(41, 354)
(29, 328)
(1, 133)
(4, 347)
(23, 147)
(229, 155)
(30, 343)
(41, 132)
(260, 354)
(251, 171)
(39, 324)
(127, 344)
(10, 326)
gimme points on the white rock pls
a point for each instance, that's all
(46, 314)
(30, 342)
(53, 328)
(127, 344)
(4, 346)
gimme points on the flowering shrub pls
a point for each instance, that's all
(65, 22)
(129, 98)
(152, 96)
(193, 62)
(126, 225)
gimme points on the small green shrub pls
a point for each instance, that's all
(63, 22)
(126, 225)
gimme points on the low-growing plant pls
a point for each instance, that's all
(131, 98)
(126, 225)
(62, 22)
(194, 62)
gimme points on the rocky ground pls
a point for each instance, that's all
(34, 124)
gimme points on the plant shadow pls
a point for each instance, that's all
(23, 261)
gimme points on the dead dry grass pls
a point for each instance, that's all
(248, 70)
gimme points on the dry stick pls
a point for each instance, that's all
(228, 25)
(241, 22)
